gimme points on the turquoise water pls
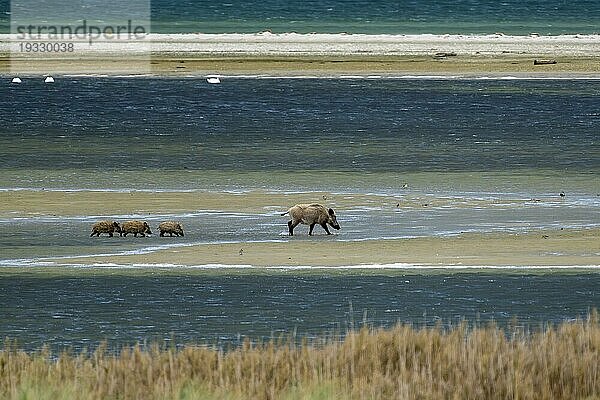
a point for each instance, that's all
(374, 17)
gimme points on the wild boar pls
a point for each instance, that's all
(136, 227)
(170, 227)
(106, 227)
(311, 214)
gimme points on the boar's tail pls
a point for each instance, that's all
(287, 212)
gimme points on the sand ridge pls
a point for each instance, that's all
(321, 55)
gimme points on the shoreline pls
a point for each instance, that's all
(322, 55)
(535, 250)
(536, 247)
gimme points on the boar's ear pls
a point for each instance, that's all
(331, 211)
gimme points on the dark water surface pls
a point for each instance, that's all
(358, 125)
(76, 310)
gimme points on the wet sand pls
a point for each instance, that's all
(556, 248)
(190, 65)
(551, 247)
(47, 203)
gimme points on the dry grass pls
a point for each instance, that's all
(462, 362)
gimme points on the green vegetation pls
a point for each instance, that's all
(461, 362)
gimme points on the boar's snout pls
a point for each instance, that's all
(333, 220)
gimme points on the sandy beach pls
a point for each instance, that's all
(291, 54)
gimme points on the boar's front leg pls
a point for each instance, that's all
(311, 229)
(324, 225)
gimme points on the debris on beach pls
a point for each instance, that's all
(544, 62)
(444, 54)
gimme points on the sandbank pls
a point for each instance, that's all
(50, 203)
(539, 248)
(543, 249)
(323, 55)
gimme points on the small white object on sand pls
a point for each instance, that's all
(213, 79)
(16, 79)
(49, 79)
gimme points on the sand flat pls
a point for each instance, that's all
(549, 247)
(332, 55)
(65, 203)
(561, 248)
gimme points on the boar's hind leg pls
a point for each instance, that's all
(291, 227)
(311, 229)
(326, 228)
(110, 234)
(162, 233)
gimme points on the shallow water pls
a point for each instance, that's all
(75, 310)
(342, 125)
(453, 155)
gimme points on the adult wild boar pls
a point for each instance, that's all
(170, 227)
(311, 214)
(136, 227)
(105, 227)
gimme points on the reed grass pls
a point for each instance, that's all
(403, 362)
